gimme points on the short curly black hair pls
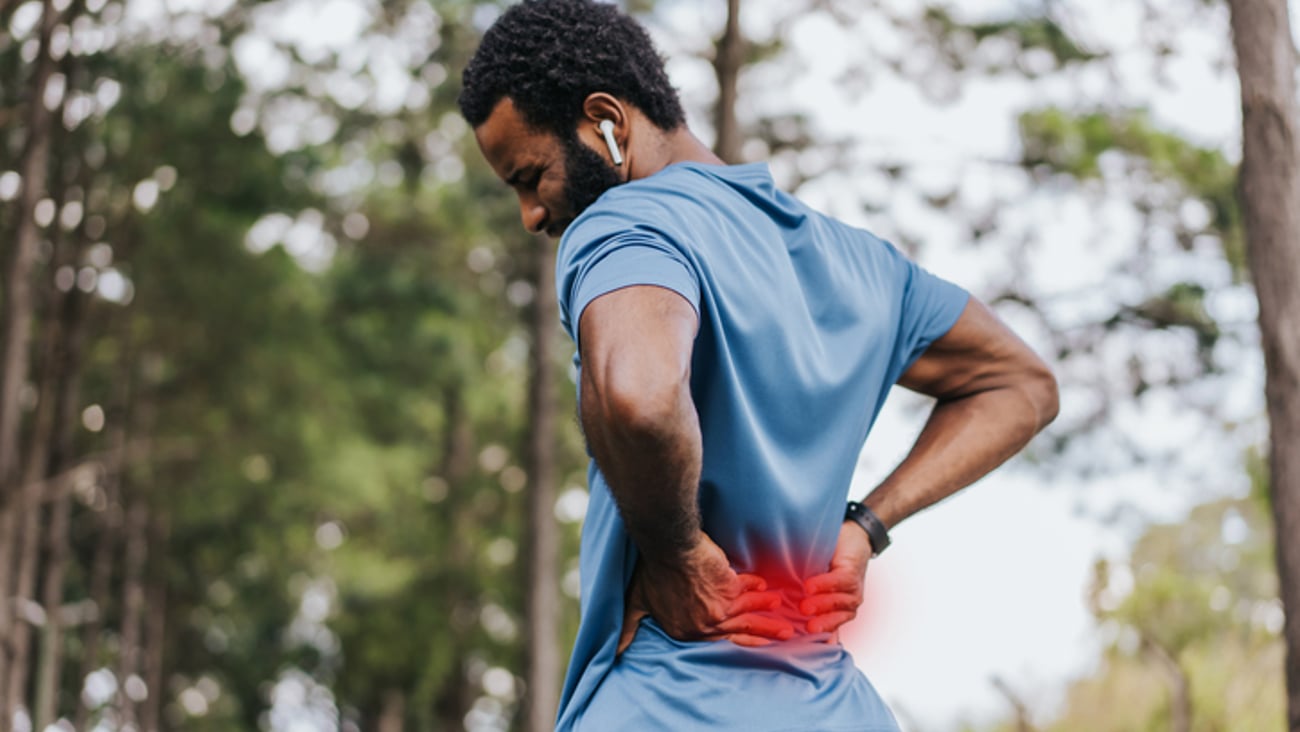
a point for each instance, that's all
(548, 56)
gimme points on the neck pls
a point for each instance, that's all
(677, 146)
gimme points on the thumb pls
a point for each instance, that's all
(633, 611)
(631, 621)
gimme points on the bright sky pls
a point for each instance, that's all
(993, 581)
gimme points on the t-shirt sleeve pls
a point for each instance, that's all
(930, 307)
(589, 266)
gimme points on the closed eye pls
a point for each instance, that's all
(524, 178)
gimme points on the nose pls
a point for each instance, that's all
(533, 214)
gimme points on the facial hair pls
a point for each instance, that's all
(586, 174)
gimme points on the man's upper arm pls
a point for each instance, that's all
(977, 354)
(636, 344)
(605, 252)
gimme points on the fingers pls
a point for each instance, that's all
(749, 641)
(761, 626)
(829, 602)
(830, 621)
(751, 583)
(832, 600)
(755, 601)
(833, 582)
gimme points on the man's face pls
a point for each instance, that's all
(556, 179)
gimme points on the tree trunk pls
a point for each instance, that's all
(67, 363)
(37, 465)
(454, 699)
(17, 328)
(45, 709)
(458, 444)
(1270, 198)
(30, 508)
(392, 714)
(1180, 696)
(129, 654)
(155, 630)
(729, 57)
(542, 603)
(120, 425)
(101, 574)
(1017, 703)
(444, 698)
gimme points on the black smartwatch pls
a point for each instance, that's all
(870, 523)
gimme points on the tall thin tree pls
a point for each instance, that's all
(37, 466)
(130, 654)
(728, 58)
(17, 324)
(1269, 188)
(67, 363)
(155, 622)
(543, 599)
(109, 522)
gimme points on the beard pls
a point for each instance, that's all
(587, 176)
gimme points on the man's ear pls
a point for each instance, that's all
(600, 107)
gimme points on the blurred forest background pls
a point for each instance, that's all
(285, 422)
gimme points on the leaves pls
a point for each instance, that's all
(959, 41)
(1204, 593)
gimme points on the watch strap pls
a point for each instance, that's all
(870, 523)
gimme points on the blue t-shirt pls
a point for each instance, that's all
(805, 324)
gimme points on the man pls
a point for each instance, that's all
(734, 347)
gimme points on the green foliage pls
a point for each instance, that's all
(1223, 547)
(1232, 689)
(1031, 32)
(1060, 142)
(1181, 306)
(1204, 592)
(1043, 33)
(317, 427)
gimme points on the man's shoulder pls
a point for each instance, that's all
(657, 205)
(678, 197)
(668, 190)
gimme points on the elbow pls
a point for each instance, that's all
(647, 413)
(635, 404)
(1044, 394)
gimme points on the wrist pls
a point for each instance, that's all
(864, 517)
(675, 550)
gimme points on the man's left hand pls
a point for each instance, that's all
(832, 599)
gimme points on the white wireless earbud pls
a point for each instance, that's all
(607, 127)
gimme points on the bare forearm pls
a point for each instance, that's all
(964, 439)
(651, 461)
